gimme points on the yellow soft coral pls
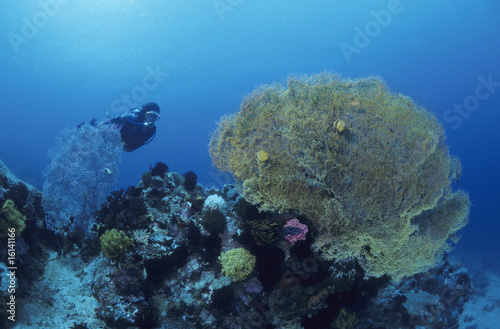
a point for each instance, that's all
(237, 264)
(115, 243)
(11, 218)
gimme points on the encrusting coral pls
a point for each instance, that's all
(375, 178)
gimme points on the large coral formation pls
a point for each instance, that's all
(378, 190)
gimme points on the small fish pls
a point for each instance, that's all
(108, 171)
(282, 217)
(262, 156)
(354, 103)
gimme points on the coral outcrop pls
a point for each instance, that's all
(171, 277)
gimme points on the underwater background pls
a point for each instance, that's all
(65, 62)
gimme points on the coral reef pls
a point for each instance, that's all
(375, 178)
(343, 189)
(170, 275)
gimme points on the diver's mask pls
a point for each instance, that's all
(151, 117)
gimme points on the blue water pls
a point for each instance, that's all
(65, 62)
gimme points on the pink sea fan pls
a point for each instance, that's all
(295, 231)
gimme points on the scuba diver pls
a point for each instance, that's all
(137, 127)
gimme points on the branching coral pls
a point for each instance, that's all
(373, 177)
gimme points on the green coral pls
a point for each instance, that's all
(115, 243)
(237, 264)
(374, 190)
(10, 217)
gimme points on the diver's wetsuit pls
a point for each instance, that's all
(134, 131)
